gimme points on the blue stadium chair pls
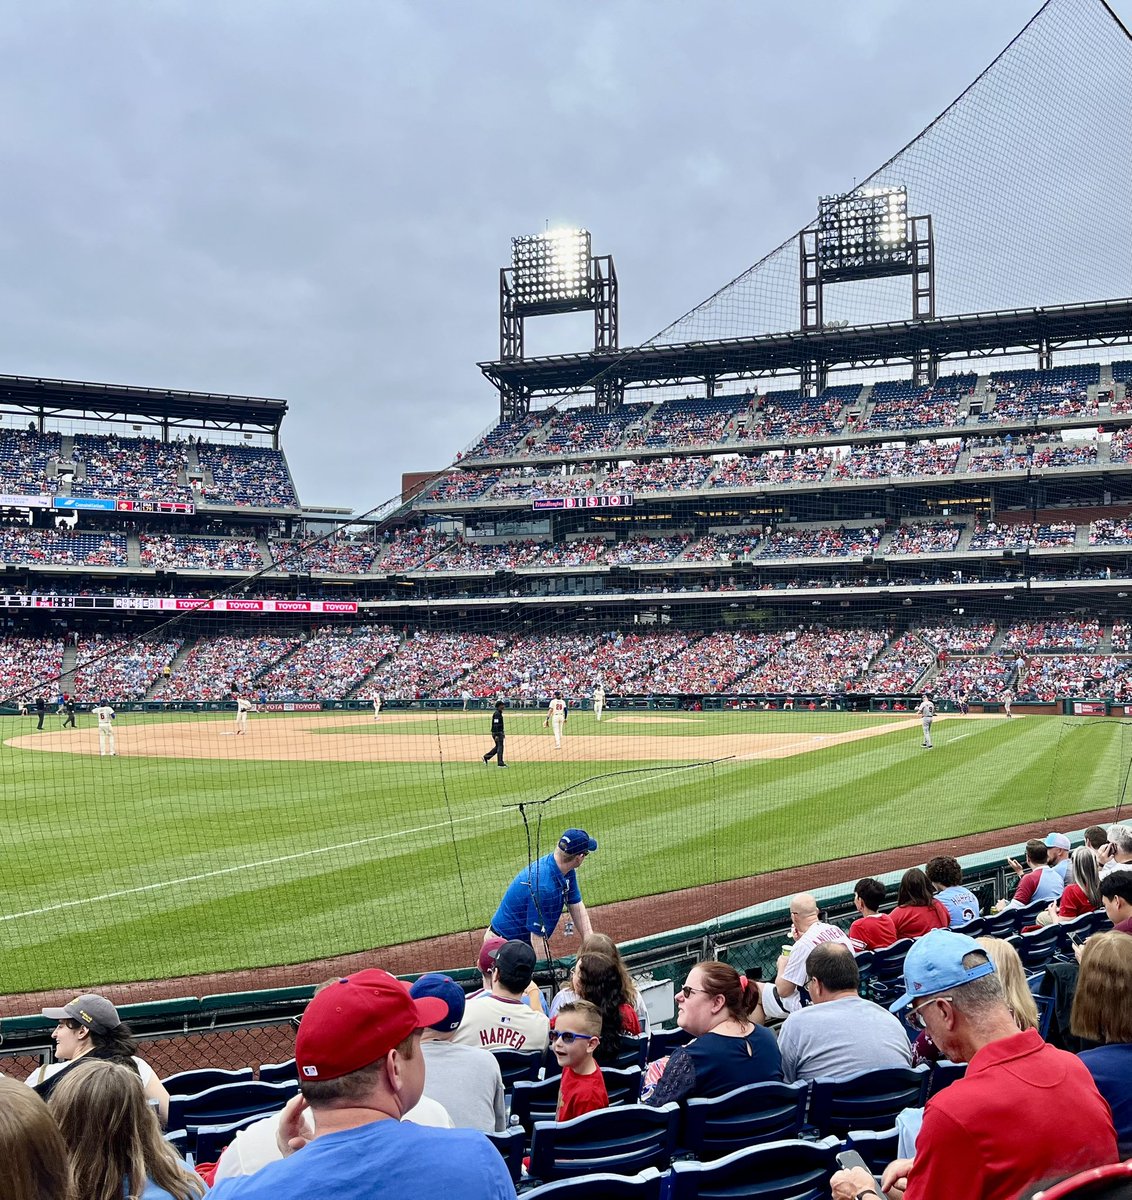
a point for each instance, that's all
(664, 1041)
(1027, 914)
(887, 969)
(517, 1064)
(212, 1140)
(511, 1144)
(944, 1074)
(189, 1083)
(1083, 926)
(283, 1072)
(647, 1185)
(748, 1116)
(620, 1141)
(1037, 948)
(1045, 1013)
(537, 1100)
(999, 925)
(869, 1100)
(876, 1146)
(227, 1103)
(793, 1170)
(975, 928)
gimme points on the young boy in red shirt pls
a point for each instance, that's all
(574, 1038)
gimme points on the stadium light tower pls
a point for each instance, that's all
(865, 234)
(556, 272)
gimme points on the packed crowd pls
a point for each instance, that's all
(644, 548)
(959, 637)
(476, 556)
(723, 547)
(62, 547)
(217, 664)
(26, 662)
(807, 466)
(686, 423)
(1029, 395)
(715, 663)
(138, 468)
(791, 415)
(976, 679)
(336, 555)
(329, 663)
(121, 669)
(1111, 532)
(24, 458)
(164, 551)
(896, 462)
(840, 542)
(898, 668)
(429, 664)
(246, 476)
(1061, 634)
(901, 404)
(925, 537)
(1048, 676)
(409, 549)
(817, 660)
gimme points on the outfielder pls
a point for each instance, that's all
(556, 715)
(1007, 700)
(377, 707)
(105, 715)
(926, 709)
(243, 707)
(599, 700)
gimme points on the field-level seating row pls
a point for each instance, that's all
(1040, 660)
(890, 405)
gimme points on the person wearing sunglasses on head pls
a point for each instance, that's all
(1023, 1111)
(730, 1050)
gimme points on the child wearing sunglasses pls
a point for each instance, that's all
(574, 1038)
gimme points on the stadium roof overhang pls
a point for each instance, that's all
(115, 402)
(974, 335)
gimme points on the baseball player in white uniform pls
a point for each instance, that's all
(926, 709)
(105, 716)
(556, 718)
(243, 707)
(599, 701)
(1007, 700)
(377, 707)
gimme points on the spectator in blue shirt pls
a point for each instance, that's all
(946, 877)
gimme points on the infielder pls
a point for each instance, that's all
(377, 707)
(599, 701)
(1007, 700)
(926, 709)
(105, 716)
(556, 715)
(243, 707)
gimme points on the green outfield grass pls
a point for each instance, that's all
(132, 868)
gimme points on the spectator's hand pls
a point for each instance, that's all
(1105, 853)
(294, 1130)
(1014, 865)
(846, 1184)
(895, 1177)
(1078, 948)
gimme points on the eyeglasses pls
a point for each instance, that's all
(562, 1035)
(915, 1014)
(687, 992)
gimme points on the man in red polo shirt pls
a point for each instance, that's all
(1024, 1110)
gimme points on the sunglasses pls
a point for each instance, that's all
(688, 992)
(916, 1014)
(569, 1038)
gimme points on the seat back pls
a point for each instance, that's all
(887, 968)
(278, 1072)
(535, 1100)
(973, 928)
(1046, 1006)
(1028, 913)
(664, 1041)
(869, 1100)
(944, 1074)
(227, 1103)
(517, 1064)
(1037, 948)
(1083, 926)
(787, 1170)
(188, 1083)
(748, 1116)
(646, 1185)
(620, 1141)
(876, 1146)
(999, 925)
(212, 1140)
(510, 1143)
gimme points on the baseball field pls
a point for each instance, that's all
(195, 850)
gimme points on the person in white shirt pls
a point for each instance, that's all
(105, 717)
(377, 707)
(926, 709)
(243, 707)
(556, 718)
(790, 973)
(599, 701)
(499, 1019)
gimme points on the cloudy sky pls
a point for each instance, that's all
(311, 199)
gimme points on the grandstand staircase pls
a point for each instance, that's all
(265, 550)
(67, 672)
(352, 694)
(133, 550)
(997, 642)
(175, 666)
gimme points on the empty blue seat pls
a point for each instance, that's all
(868, 1100)
(1080, 927)
(748, 1116)
(788, 1170)
(517, 1064)
(213, 1140)
(943, 1074)
(227, 1103)
(647, 1185)
(664, 1041)
(189, 1083)
(1037, 948)
(621, 1141)
(999, 925)
(278, 1072)
(511, 1144)
(886, 970)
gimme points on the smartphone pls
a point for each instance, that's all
(848, 1159)
(1078, 939)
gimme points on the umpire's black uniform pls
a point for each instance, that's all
(497, 736)
(40, 710)
(69, 708)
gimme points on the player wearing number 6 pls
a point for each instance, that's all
(556, 714)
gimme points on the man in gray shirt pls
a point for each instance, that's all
(839, 1034)
(465, 1079)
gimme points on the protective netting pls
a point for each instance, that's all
(1021, 175)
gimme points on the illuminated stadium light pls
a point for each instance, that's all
(864, 233)
(551, 267)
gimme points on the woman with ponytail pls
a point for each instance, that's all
(730, 1050)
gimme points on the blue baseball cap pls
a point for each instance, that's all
(935, 964)
(441, 988)
(577, 841)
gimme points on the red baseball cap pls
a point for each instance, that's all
(488, 951)
(355, 1021)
